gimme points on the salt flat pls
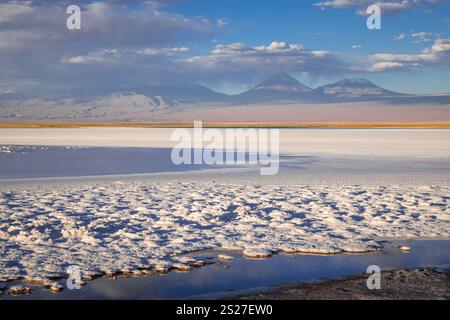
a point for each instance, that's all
(147, 222)
(129, 225)
(423, 143)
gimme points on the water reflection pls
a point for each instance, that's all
(242, 274)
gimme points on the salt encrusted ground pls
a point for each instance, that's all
(125, 226)
(148, 221)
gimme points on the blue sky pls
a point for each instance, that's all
(256, 22)
(228, 45)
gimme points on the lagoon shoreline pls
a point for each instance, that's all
(400, 284)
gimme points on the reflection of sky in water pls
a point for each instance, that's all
(47, 162)
(245, 274)
(62, 162)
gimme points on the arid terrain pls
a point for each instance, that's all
(406, 284)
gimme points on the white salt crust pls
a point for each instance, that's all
(133, 227)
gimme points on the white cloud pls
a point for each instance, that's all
(178, 50)
(437, 55)
(420, 37)
(441, 46)
(384, 66)
(387, 6)
(148, 52)
(336, 3)
(400, 36)
(122, 56)
(136, 46)
(417, 37)
(35, 44)
(225, 62)
(221, 22)
(420, 34)
(26, 24)
(13, 10)
(237, 60)
(102, 56)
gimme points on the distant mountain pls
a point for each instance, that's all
(282, 82)
(355, 89)
(126, 100)
(180, 95)
(11, 95)
(279, 87)
(139, 102)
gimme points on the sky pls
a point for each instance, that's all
(226, 45)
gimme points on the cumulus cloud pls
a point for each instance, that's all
(387, 6)
(101, 56)
(112, 56)
(119, 45)
(441, 46)
(36, 45)
(437, 55)
(11, 11)
(234, 62)
(225, 62)
(384, 66)
(239, 60)
(107, 24)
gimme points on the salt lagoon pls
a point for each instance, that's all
(338, 191)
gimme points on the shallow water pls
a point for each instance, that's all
(242, 275)
(31, 162)
(46, 162)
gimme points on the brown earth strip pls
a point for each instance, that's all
(343, 125)
(406, 284)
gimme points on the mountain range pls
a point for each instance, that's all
(279, 89)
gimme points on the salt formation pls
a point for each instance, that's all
(25, 149)
(19, 290)
(139, 227)
(225, 257)
(405, 249)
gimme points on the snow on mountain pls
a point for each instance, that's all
(282, 82)
(125, 100)
(134, 103)
(279, 87)
(355, 89)
(181, 95)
